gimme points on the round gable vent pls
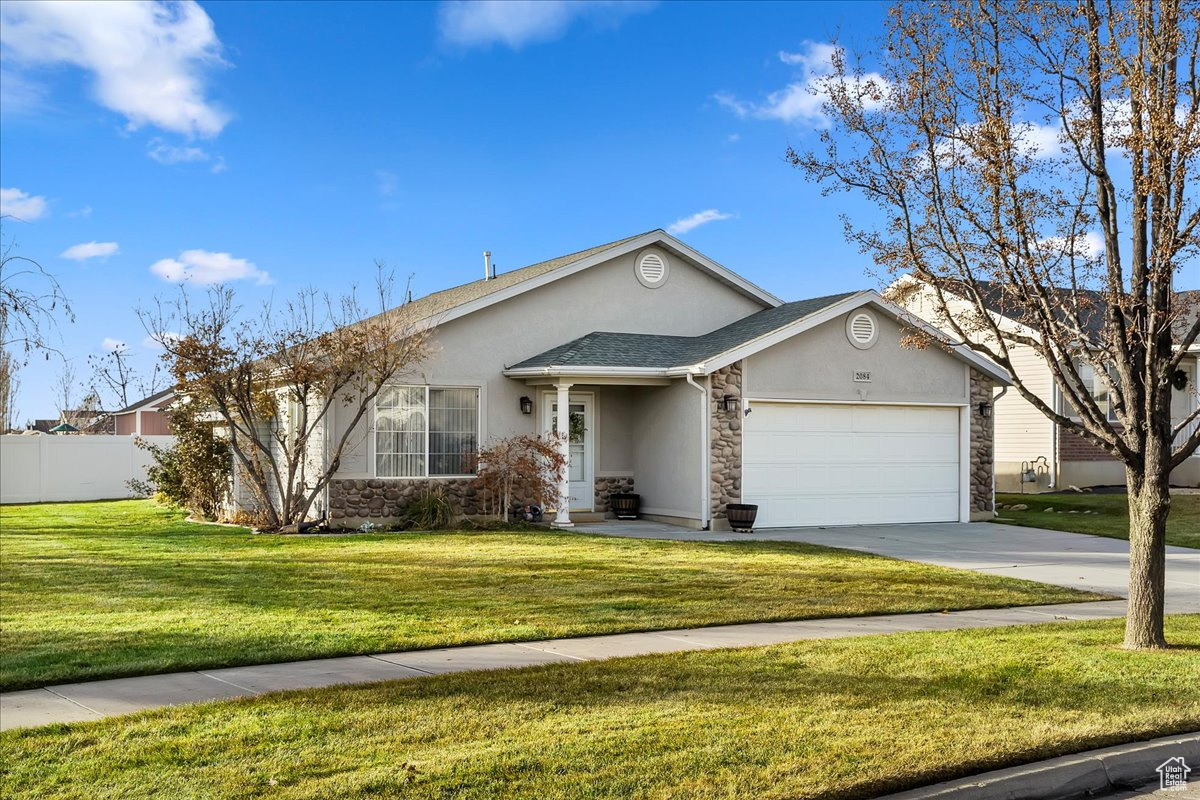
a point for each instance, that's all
(862, 330)
(652, 269)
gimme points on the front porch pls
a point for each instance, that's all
(627, 434)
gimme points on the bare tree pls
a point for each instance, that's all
(65, 388)
(275, 380)
(9, 383)
(115, 376)
(999, 139)
(30, 301)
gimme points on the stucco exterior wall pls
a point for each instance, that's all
(473, 350)
(820, 365)
(612, 434)
(667, 446)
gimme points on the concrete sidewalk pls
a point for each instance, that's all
(88, 701)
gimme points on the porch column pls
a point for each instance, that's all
(563, 518)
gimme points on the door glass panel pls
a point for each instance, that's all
(576, 471)
(578, 429)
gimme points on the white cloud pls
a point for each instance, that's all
(83, 213)
(1086, 246)
(204, 267)
(22, 205)
(387, 182)
(19, 95)
(147, 59)
(1040, 141)
(166, 153)
(152, 343)
(686, 224)
(86, 250)
(516, 23)
(802, 99)
(110, 345)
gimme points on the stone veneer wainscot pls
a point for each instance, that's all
(725, 439)
(385, 498)
(983, 463)
(611, 484)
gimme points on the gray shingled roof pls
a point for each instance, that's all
(146, 400)
(610, 349)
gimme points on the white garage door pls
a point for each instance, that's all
(807, 464)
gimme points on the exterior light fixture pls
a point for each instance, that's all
(985, 410)
(526, 405)
(729, 403)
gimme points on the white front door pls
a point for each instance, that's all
(583, 485)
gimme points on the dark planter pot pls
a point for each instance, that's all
(625, 505)
(741, 516)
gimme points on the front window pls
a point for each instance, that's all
(1099, 390)
(423, 431)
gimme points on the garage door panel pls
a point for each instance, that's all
(811, 464)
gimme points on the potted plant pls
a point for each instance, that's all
(625, 505)
(741, 516)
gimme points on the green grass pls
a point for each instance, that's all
(846, 718)
(95, 590)
(1110, 515)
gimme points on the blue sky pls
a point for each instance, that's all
(276, 145)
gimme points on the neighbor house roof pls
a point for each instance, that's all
(146, 402)
(1092, 306)
(605, 348)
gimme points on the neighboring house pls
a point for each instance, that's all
(85, 420)
(146, 417)
(682, 381)
(1025, 438)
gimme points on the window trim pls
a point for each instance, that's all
(1072, 413)
(374, 430)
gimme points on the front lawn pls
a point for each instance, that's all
(95, 590)
(1109, 517)
(848, 718)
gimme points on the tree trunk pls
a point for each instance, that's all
(1149, 505)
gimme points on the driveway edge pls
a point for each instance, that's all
(1087, 774)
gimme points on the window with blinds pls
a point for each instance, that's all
(423, 431)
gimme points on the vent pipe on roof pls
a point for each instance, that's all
(487, 265)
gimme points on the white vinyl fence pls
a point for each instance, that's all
(40, 469)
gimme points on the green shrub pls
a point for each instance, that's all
(195, 472)
(431, 511)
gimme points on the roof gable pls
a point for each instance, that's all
(461, 300)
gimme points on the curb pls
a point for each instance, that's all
(1088, 774)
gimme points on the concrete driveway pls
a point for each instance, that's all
(1095, 563)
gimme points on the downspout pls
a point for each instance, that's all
(995, 400)
(1054, 433)
(705, 480)
(325, 460)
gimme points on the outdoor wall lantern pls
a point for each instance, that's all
(729, 403)
(526, 405)
(985, 410)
